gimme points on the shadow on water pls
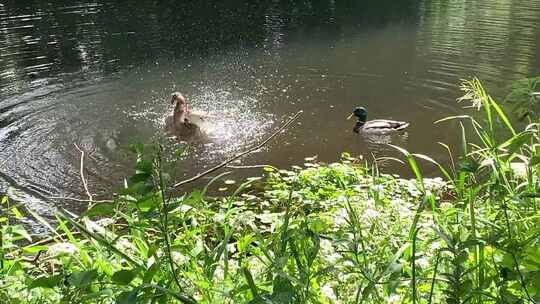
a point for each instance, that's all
(99, 74)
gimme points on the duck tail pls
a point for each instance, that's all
(402, 125)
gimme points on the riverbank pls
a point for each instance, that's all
(335, 233)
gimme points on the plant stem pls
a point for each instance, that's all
(413, 265)
(165, 224)
(522, 280)
(434, 276)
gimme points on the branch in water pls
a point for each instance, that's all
(239, 155)
(85, 184)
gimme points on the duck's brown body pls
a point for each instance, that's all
(185, 130)
(183, 122)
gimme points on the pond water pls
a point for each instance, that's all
(99, 74)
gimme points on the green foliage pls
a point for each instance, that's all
(336, 233)
(524, 104)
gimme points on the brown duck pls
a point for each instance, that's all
(184, 122)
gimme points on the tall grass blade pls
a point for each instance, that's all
(452, 118)
(503, 116)
(431, 160)
(42, 221)
(413, 165)
(98, 238)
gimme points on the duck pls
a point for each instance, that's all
(184, 122)
(183, 113)
(377, 125)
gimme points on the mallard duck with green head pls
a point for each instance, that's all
(377, 125)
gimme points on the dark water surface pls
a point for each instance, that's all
(99, 74)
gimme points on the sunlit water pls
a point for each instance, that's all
(99, 74)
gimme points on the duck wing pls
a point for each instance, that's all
(198, 117)
(385, 125)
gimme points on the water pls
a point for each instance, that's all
(99, 74)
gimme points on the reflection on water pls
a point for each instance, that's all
(99, 73)
(377, 142)
(496, 40)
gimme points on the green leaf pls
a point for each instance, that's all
(463, 139)
(243, 242)
(95, 236)
(452, 118)
(501, 114)
(128, 297)
(533, 254)
(431, 160)
(283, 290)
(268, 169)
(19, 230)
(250, 282)
(93, 296)
(535, 160)
(14, 268)
(516, 142)
(150, 273)
(34, 249)
(318, 224)
(468, 165)
(535, 281)
(314, 251)
(143, 166)
(137, 148)
(260, 300)
(140, 177)
(124, 277)
(16, 213)
(46, 282)
(413, 165)
(149, 202)
(82, 278)
(101, 209)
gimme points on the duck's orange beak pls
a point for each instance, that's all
(349, 117)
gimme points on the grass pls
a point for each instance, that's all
(337, 233)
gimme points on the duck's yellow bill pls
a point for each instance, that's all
(349, 117)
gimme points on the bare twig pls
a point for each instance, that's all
(36, 258)
(237, 156)
(85, 184)
(52, 239)
(250, 167)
